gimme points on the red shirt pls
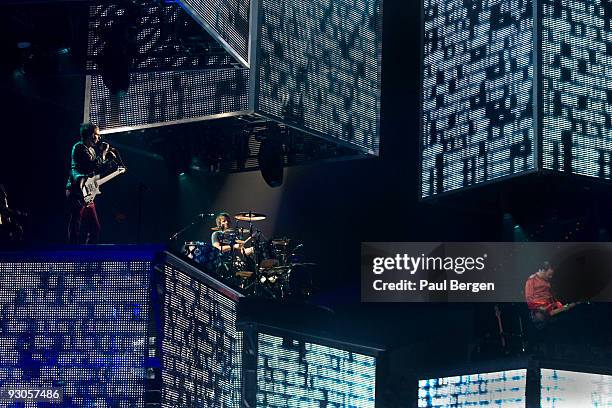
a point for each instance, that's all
(538, 294)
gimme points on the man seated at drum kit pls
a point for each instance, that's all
(224, 238)
(242, 255)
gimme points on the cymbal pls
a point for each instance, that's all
(249, 216)
(289, 266)
(244, 274)
(227, 230)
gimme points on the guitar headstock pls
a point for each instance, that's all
(121, 170)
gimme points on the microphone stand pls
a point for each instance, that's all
(142, 187)
(193, 222)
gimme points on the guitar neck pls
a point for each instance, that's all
(111, 176)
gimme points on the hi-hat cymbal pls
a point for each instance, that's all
(281, 241)
(249, 216)
(227, 230)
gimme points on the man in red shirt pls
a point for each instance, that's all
(539, 296)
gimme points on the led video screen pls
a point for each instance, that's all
(319, 68)
(577, 91)
(229, 19)
(568, 389)
(165, 97)
(292, 373)
(77, 325)
(498, 389)
(201, 349)
(477, 92)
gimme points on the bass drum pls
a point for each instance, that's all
(203, 253)
(266, 255)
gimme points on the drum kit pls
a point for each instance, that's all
(261, 267)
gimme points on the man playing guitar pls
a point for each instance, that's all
(10, 229)
(90, 157)
(539, 297)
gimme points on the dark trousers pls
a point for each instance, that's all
(84, 226)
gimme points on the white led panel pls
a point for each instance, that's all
(298, 374)
(163, 97)
(568, 389)
(477, 95)
(201, 349)
(318, 68)
(577, 87)
(228, 20)
(501, 389)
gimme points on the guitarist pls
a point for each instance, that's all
(540, 300)
(89, 157)
(10, 229)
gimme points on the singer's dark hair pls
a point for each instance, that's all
(546, 265)
(87, 129)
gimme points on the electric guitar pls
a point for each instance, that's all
(90, 187)
(541, 317)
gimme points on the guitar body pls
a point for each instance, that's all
(90, 186)
(90, 189)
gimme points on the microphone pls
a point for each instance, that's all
(104, 145)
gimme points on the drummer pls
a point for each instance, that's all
(219, 238)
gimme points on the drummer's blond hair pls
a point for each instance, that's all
(222, 215)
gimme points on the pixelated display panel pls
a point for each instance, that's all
(498, 389)
(292, 373)
(577, 87)
(164, 37)
(81, 326)
(320, 67)
(477, 92)
(228, 18)
(568, 389)
(201, 349)
(158, 97)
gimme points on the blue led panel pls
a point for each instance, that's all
(319, 68)
(477, 118)
(577, 89)
(498, 389)
(568, 389)
(158, 98)
(292, 373)
(201, 349)
(227, 19)
(77, 325)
